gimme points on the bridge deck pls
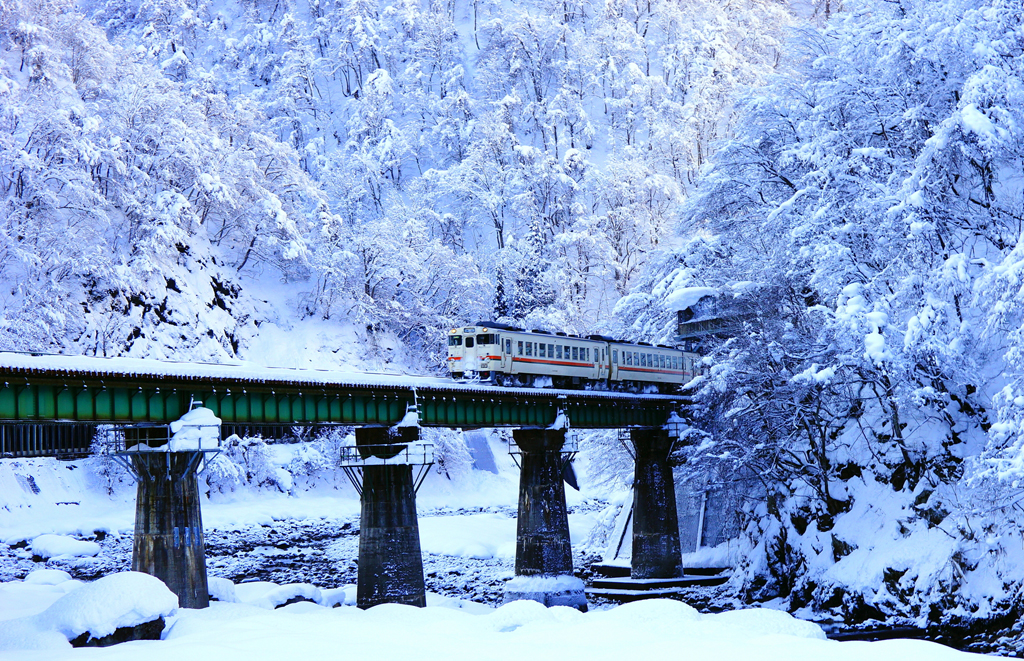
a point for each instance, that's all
(111, 390)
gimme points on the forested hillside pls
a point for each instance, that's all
(399, 167)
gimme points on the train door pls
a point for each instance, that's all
(506, 353)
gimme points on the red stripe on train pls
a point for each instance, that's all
(648, 369)
(551, 362)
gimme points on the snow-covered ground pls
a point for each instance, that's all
(59, 517)
(446, 629)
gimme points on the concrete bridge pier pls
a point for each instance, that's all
(656, 552)
(543, 552)
(168, 540)
(390, 561)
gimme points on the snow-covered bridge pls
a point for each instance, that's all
(142, 397)
(38, 388)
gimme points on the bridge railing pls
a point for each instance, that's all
(64, 440)
(410, 454)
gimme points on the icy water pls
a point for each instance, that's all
(324, 552)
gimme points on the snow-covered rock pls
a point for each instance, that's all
(100, 608)
(51, 546)
(47, 577)
(264, 594)
(221, 589)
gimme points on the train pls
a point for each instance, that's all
(508, 356)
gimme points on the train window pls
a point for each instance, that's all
(455, 340)
(519, 348)
(588, 354)
(508, 346)
(627, 358)
(469, 342)
(643, 360)
(558, 351)
(543, 350)
(485, 339)
(566, 352)
(636, 359)
(615, 356)
(575, 353)
(529, 348)
(551, 351)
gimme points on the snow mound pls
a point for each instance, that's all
(755, 622)
(650, 614)
(264, 594)
(410, 419)
(543, 584)
(19, 599)
(333, 597)
(47, 577)
(221, 589)
(199, 429)
(524, 612)
(51, 546)
(98, 608)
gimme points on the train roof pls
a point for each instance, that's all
(497, 326)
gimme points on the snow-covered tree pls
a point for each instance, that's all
(864, 226)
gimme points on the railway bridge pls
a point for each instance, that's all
(68, 396)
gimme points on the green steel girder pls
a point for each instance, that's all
(64, 395)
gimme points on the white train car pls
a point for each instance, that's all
(508, 355)
(512, 356)
(644, 363)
